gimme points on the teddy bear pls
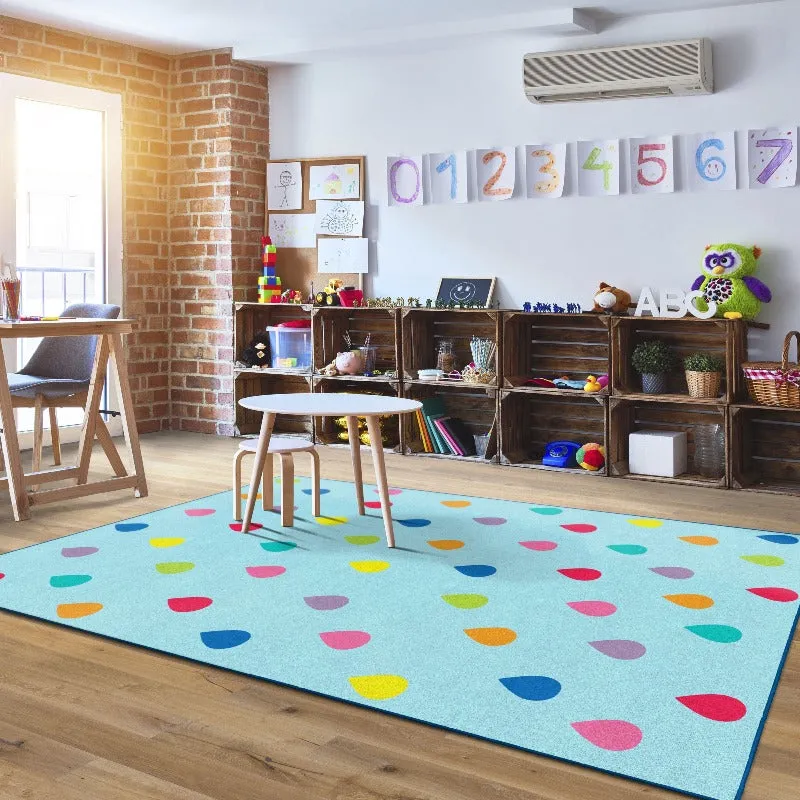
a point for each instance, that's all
(256, 354)
(610, 300)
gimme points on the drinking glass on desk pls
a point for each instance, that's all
(11, 294)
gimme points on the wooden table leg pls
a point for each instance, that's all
(268, 484)
(267, 424)
(90, 412)
(107, 443)
(374, 428)
(126, 411)
(355, 455)
(10, 446)
(38, 436)
(287, 490)
(55, 436)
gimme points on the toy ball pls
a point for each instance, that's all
(591, 456)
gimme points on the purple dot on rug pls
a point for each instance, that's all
(678, 573)
(490, 520)
(623, 649)
(326, 602)
(78, 552)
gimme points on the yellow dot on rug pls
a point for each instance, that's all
(331, 520)
(76, 610)
(702, 541)
(446, 544)
(258, 496)
(456, 503)
(492, 637)
(167, 541)
(379, 687)
(690, 600)
(646, 523)
(369, 566)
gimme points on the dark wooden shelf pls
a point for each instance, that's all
(670, 398)
(555, 391)
(687, 479)
(237, 371)
(356, 378)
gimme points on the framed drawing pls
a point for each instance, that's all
(477, 291)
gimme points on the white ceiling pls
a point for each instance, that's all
(307, 30)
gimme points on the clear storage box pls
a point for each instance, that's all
(290, 348)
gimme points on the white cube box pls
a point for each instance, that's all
(657, 453)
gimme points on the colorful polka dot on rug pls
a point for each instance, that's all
(628, 549)
(446, 544)
(326, 602)
(311, 491)
(78, 552)
(224, 640)
(579, 527)
(466, 601)
(547, 511)
(331, 520)
(392, 492)
(780, 538)
(236, 527)
(360, 541)
(476, 570)
(345, 640)
(266, 571)
(646, 523)
(375, 504)
(174, 567)
(413, 523)
(675, 573)
(77, 610)
(700, 541)
(131, 527)
(698, 601)
(205, 512)
(610, 734)
(723, 634)
(68, 581)
(166, 541)
(490, 520)
(379, 687)
(764, 560)
(532, 687)
(593, 608)
(370, 566)
(541, 545)
(622, 649)
(719, 707)
(491, 637)
(184, 605)
(581, 573)
(777, 594)
(455, 503)
(278, 547)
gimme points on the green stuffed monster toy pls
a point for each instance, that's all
(728, 280)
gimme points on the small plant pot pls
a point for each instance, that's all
(654, 382)
(703, 384)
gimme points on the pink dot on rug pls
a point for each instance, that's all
(198, 512)
(581, 573)
(78, 552)
(776, 593)
(345, 640)
(391, 491)
(374, 503)
(2, 575)
(580, 527)
(186, 604)
(610, 734)
(717, 707)
(237, 526)
(593, 608)
(267, 571)
(541, 546)
(491, 520)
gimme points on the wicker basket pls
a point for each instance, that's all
(775, 383)
(703, 384)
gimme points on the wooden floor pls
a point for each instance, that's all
(84, 718)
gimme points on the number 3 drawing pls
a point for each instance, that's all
(712, 168)
(548, 168)
(489, 187)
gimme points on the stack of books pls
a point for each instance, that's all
(441, 433)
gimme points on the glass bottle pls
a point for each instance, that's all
(446, 357)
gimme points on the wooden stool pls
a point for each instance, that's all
(283, 447)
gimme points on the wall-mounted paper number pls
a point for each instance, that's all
(645, 159)
(489, 187)
(548, 168)
(606, 166)
(443, 166)
(395, 168)
(785, 147)
(712, 168)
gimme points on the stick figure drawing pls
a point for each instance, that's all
(285, 181)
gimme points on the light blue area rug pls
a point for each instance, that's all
(646, 648)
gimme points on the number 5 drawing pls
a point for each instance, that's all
(646, 159)
(712, 168)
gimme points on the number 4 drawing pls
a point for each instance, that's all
(606, 166)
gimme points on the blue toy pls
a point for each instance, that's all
(560, 454)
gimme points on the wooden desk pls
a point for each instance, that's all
(109, 334)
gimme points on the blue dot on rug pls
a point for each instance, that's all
(129, 527)
(532, 687)
(222, 640)
(477, 570)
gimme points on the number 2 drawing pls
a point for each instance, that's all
(489, 187)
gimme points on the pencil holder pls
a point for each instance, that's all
(10, 299)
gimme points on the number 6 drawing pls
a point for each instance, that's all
(393, 180)
(712, 168)
(785, 148)
(645, 159)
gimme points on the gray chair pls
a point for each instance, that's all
(57, 375)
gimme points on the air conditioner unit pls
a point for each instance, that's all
(647, 70)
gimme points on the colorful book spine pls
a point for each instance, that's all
(451, 442)
(427, 447)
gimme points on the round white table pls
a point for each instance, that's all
(332, 404)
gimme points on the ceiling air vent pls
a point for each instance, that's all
(647, 70)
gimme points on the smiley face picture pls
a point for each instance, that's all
(475, 291)
(463, 291)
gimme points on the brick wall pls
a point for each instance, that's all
(194, 153)
(218, 114)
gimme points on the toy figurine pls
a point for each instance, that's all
(428, 303)
(592, 385)
(526, 307)
(728, 281)
(610, 300)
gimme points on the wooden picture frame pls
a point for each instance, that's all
(465, 290)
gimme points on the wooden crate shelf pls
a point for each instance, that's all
(765, 451)
(382, 324)
(325, 428)
(253, 318)
(249, 422)
(423, 329)
(721, 337)
(528, 422)
(476, 406)
(554, 345)
(627, 416)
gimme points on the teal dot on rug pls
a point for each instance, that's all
(130, 527)
(724, 634)
(222, 640)
(532, 687)
(66, 581)
(547, 511)
(278, 547)
(628, 549)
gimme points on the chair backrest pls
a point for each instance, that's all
(69, 357)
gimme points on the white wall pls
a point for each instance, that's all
(557, 250)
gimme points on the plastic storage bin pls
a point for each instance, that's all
(290, 348)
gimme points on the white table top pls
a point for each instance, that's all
(329, 404)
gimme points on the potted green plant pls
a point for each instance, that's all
(653, 359)
(703, 374)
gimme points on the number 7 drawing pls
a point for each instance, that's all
(785, 147)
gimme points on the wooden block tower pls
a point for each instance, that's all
(269, 284)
